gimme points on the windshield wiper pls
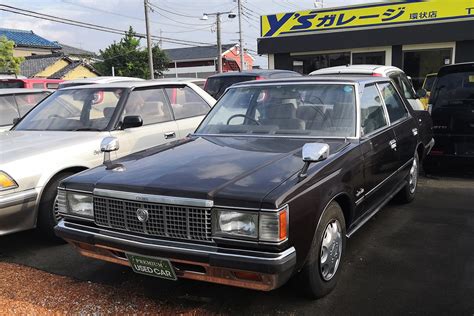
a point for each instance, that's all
(87, 129)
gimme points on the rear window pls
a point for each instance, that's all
(4, 84)
(216, 86)
(454, 89)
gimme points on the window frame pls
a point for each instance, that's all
(170, 104)
(407, 117)
(384, 108)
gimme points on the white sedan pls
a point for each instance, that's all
(63, 135)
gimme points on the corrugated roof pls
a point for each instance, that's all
(24, 38)
(194, 53)
(37, 63)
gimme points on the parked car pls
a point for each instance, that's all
(29, 83)
(427, 87)
(452, 109)
(268, 187)
(217, 84)
(62, 136)
(96, 80)
(402, 82)
(14, 103)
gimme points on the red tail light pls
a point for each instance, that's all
(259, 78)
(377, 75)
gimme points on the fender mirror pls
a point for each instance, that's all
(313, 152)
(108, 145)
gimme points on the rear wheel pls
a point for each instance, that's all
(48, 215)
(321, 271)
(407, 194)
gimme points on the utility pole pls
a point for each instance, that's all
(148, 41)
(219, 43)
(205, 17)
(242, 52)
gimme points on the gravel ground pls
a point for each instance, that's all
(27, 291)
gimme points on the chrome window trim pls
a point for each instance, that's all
(387, 120)
(151, 198)
(408, 116)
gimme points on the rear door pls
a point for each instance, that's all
(188, 108)
(159, 126)
(404, 126)
(381, 159)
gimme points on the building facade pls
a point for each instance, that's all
(417, 36)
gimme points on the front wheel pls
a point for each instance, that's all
(48, 215)
(321, 271)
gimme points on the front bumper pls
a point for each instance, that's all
(17, 211)
(249, 269)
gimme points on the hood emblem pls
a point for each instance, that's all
(142, 215)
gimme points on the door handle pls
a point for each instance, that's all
(393, 144)
(169, 135)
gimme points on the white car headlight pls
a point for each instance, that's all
(80, 204)
(236, 224)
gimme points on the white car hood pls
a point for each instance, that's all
(16, 145)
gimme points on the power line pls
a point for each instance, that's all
(175, 13)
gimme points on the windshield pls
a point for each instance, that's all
(454, 89)
(320, 110)
(73, 110)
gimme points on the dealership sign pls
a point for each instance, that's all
(375, 15)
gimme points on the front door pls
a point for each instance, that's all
(378, 145)
(159, 126)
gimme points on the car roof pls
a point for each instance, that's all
(105, 79)
(129, 84)
(356, 69)
(254, 72)
(316, 79)
(462, 67)
(22, 91)
(183, 79)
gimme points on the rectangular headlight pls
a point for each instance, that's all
(274, 225)
(229, 223)
(80, 204)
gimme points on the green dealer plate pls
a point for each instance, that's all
(156, 267)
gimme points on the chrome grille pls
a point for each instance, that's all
(181, 222)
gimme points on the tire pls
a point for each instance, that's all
(47, 212)
(407, 194)
(319, 276)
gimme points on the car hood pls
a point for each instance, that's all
(17, 145)
(230, 171)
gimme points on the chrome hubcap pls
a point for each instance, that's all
(413, 178)
(331, 250)
(57, 215)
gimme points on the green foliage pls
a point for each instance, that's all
(129, 59)
(8, 63)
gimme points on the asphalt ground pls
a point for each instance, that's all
(409, 259)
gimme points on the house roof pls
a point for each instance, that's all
(195, 53)
(24, 38)
(37, 63)
(74, 51)
(73, 65)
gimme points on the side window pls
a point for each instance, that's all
(8, 110)
(185, 102)
(396, 109)
(52, 85)
(408, 89)
(150, 104)
(38, 85)
(372, 111)
(27, 101)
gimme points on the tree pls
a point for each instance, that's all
(8, 63)
(129, 59)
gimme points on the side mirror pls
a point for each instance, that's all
(108, 145)
(132, 121)
(313, 152)
(422, 93)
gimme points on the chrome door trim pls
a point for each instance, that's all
(151, 198)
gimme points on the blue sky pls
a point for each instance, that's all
(183, 23)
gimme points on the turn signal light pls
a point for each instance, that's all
(6, 182)
(283, 225)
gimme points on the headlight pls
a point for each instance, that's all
(80, 204)
(263, 226)
(7, 182)
(236, 224)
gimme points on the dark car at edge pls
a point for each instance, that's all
(269, 187)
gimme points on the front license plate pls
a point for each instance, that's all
(156, 267)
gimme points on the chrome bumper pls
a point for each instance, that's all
(17, 211)
(242, 268)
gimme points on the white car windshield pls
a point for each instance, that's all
(73, 110)
(319, 110)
